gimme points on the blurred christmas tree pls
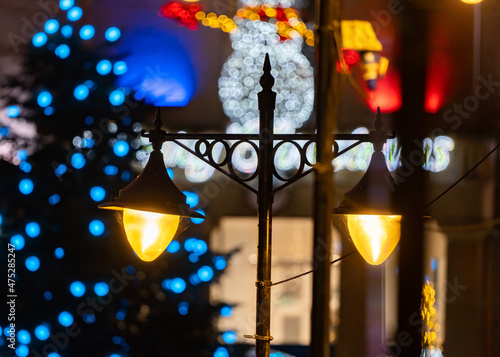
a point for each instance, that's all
(79, 290)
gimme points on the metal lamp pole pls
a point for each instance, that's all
(327, 98)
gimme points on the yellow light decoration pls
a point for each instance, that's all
(375, 236)
(431, 341)
(149, 233)
(472, 1)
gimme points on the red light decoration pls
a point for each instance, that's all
(185, 14)
(351, 58)
(387, 96)
(437, 80)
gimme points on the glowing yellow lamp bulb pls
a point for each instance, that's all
(149, 233)
(375, 237)
(472, 1)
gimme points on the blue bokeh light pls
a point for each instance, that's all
(54, 199)
(121, 314)
(65, 319)
(32, 263)
(67, 31)
(97, 193)
(101, 289)
(205, 273)
(173, 82)
(26, 167)
(200, 247)
(44, 99)
(112, 34)
(87, 32)
(110, 170)
(226, 311)
(51, 26)
(198, 220)
(18, 241)
(77, 288)
(23, 337)
(26, 186)
(183, 308)
(22, 351)
(39, 39)
(178, 285)
(193, 258)
(42, 332)
(125, 176)
(75, 13)
(117, 97)
(103, 67)
(189, 244)
(59, 253)
(66, 4)
(49, 111)
(173, 247)
(229, 337)
(221, 352)
(119, 68)
(4, 131)
(193, 278)
(1, 219)
(121, 148)
(22, 154)
(13, 111)
(62, 51)
(219, 262)
(32, 229)
(192, 198)
(78, 160)
(47, 295)
(53, 354)
(81, 92)
(60, 170)
(96, 228)
(89, 318)
(170, 173)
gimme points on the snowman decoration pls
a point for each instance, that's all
(271, 27)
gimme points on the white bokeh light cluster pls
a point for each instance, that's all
(239, 81)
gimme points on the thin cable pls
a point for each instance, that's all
(311, 271)
(465, 175)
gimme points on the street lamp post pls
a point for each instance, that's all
(269, 182)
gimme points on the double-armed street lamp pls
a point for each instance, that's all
(154, 209)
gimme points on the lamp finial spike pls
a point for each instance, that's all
(158, 122)
(267, 79)
(378, 121)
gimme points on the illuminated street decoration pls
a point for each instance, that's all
(432, 345)
(437, 157)
(275, 27)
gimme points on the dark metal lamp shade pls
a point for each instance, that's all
(374, 193)
(367, 213)
(153, 191)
